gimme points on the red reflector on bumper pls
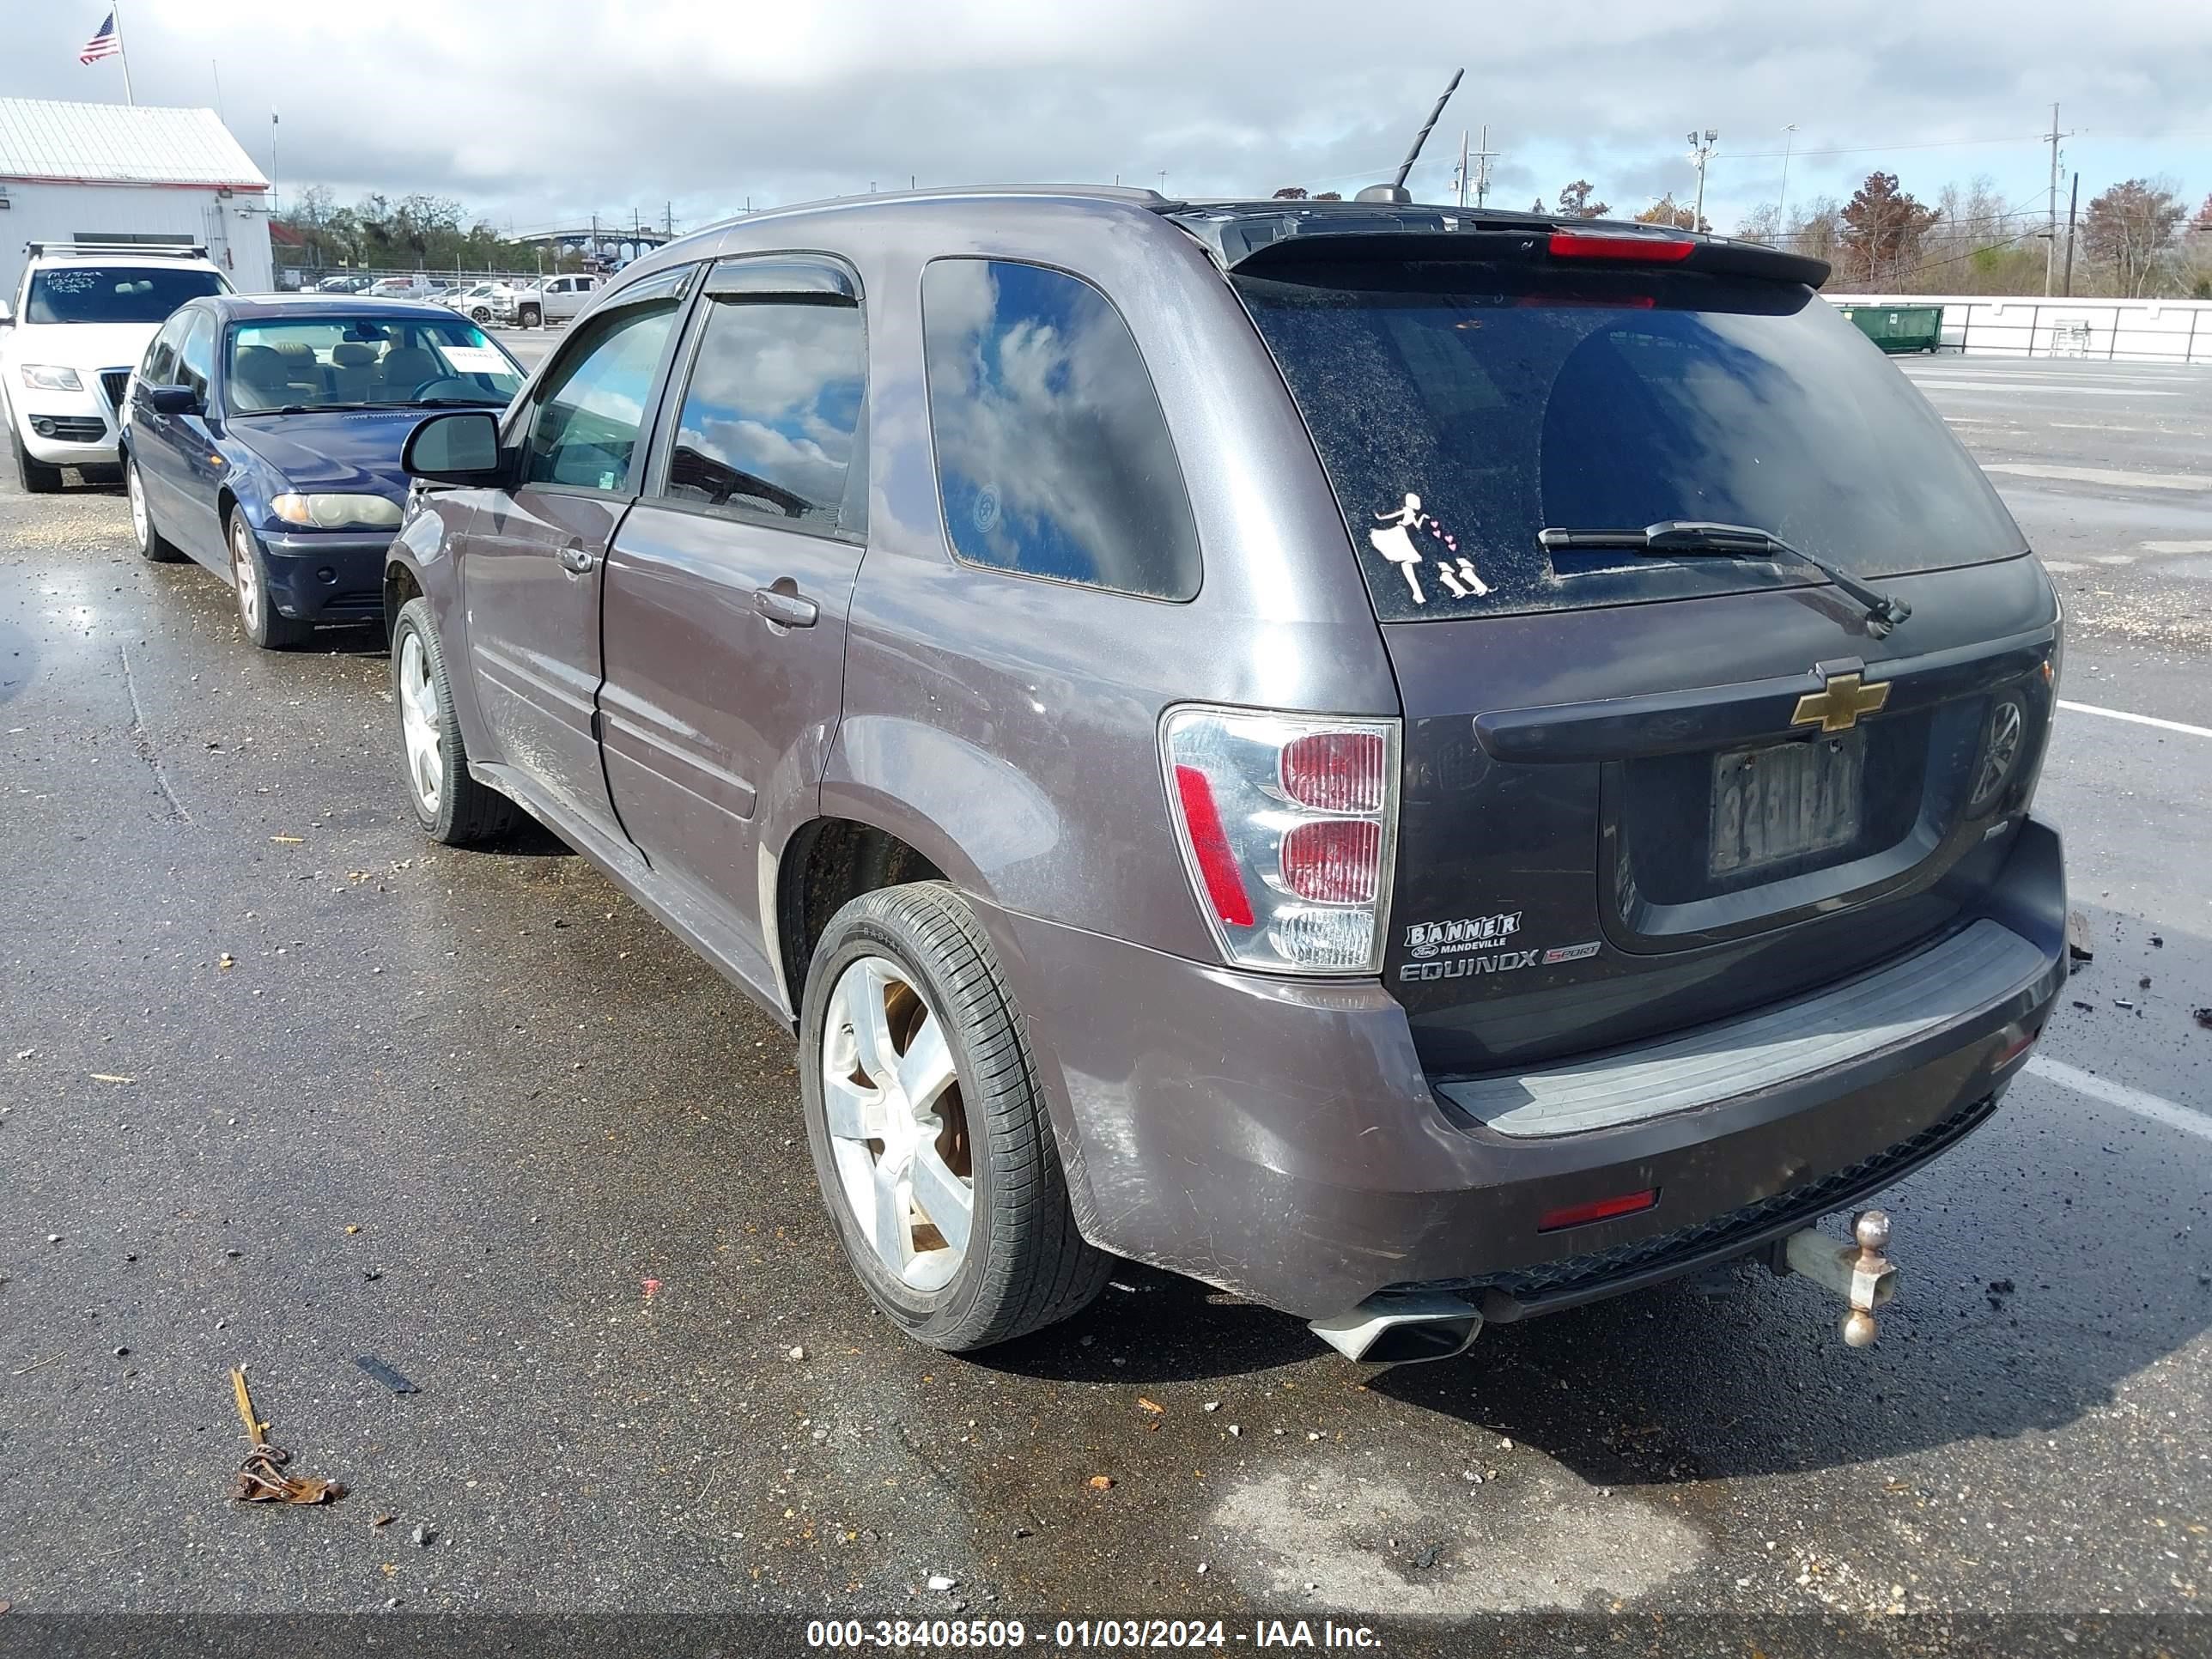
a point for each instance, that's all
(2019, 1045)
(1603, 1209)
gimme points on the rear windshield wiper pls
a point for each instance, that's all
(1696, 538)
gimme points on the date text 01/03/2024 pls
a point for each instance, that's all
(987, 1635)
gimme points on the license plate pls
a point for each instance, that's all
(1773, 805)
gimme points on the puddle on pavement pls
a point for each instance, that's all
(1547, 1541)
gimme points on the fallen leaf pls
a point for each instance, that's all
(352, 1231)
(389, 1569)
(110, 1076)
(1100, 1482)
(223, 963)
(1145, 1405)
(384, 1521)
(651, 1289)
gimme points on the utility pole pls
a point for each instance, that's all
(2073, 202)
(273, 197)
(1459, 179)
(1781, 204)
(668, 219)
(1482, 157)
(2051, 247)
(1701, 151)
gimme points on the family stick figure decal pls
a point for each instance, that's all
(1395, 542)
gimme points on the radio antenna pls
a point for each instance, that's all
(1395, 190)
(1427, 127)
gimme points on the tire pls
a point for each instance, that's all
(249, 581)
(893, 961)
(481, 314)
(456, 810)
(37, 477)
(530, 317)
(153, 546)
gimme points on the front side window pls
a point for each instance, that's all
(114, 293)
(593, 406)
(195, 358)
(771, 413)
(160, 367)
(1053, 457)
(366, 363)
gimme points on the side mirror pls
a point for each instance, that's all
(7, 317)
(174, 400)
(460, 448)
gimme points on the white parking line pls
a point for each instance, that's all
(2118, 1094)
(2028, 388)
(2136, 719)
(2118, 477)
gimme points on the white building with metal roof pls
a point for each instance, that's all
(114, 172)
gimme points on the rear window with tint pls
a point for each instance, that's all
(1052, 458)
(1459, 409)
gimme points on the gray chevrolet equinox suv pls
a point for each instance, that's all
(1419, 766)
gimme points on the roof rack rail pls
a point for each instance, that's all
(157, 249)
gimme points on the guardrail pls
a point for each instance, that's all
(2108, 331)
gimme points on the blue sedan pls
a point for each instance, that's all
(262, 435)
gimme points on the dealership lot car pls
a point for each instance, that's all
(1420, 767)
(263, 439)
(81, 319)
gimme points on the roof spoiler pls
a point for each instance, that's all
(1255, 237)
(156, 250)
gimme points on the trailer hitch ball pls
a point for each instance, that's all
(1862, 1276)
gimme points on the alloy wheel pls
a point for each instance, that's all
(419, 724)
(139, 523)
(245, 576)
(897, 1129)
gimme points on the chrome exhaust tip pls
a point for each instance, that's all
(1402, 1330)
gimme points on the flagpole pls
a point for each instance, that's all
(123, 50)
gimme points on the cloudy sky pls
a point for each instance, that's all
(537, 111)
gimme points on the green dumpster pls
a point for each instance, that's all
(1899, 328)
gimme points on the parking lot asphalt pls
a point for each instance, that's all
(281, 1085)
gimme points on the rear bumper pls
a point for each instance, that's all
(1279, 1137)
(328, 576)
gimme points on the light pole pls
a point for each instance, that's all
(1701, 151)
(1781, 206)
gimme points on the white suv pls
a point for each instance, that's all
(79, 321)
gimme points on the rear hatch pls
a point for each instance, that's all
(1645, 793)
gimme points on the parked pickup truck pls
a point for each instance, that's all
(556, 300)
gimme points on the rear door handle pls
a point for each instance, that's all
(788, 609)
(577, 559)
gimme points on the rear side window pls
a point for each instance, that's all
(592, 410)
(1052, 458)
(770, 414)
(1461, 408)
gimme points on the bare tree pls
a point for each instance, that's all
(1882, 228)
(1575, 201)
(2130, 227)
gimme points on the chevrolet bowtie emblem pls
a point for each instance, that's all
(1837, 707)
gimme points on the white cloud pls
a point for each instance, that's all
(571, 106)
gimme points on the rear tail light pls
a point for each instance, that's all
(1287, 824)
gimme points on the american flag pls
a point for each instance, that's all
(105, 43)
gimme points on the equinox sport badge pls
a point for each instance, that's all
(1431, 939)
